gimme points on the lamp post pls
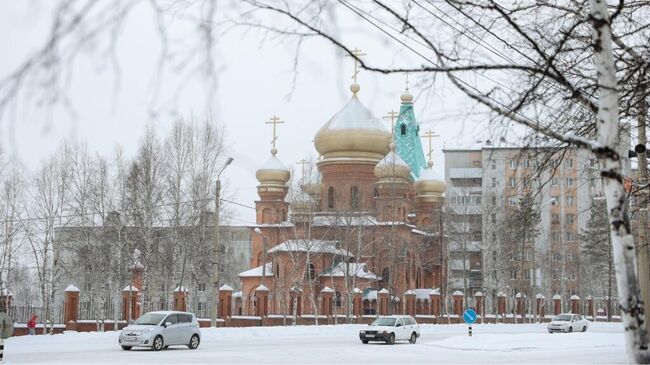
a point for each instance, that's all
(215, 247)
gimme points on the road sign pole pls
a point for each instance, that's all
(470, 330)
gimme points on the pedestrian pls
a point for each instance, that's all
(31, 324)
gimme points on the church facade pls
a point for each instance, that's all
(370, 226)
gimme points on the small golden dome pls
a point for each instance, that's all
(406, 97)
(430, 184)
(392, 166)
(273, 172)
(353, 134)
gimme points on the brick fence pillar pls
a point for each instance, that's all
(557, 304)
(520, 300)
(409, 298)
(71, 305)
(590, 307)
(540, 300)
(479, 303)
(501, 304)
(434, 295)
(180, 299)
(357, 302)
(225, 301)
(458, 298)
(130, 302)
(382, 296)
(575, 304)
(326, 301)
(261, 301)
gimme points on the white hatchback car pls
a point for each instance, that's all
(568, 323)
(159, 330)
(390, 329)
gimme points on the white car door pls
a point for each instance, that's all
(171, 333)
(185, 321)
(402, 330)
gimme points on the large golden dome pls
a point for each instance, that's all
(273, 173)
(353, 135)
(430, 186)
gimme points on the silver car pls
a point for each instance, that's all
(568, 322)
(159, 330)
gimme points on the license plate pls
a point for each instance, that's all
(370, 336)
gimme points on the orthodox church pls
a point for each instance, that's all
(369, 228)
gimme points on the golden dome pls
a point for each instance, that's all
(406, 97)
(430, 186)
(392, 166)
(273, 172)
(353, 135)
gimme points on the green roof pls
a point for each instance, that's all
(406, 135)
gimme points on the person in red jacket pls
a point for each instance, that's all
(31, 324)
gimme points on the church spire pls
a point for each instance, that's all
(406, 135)
(357, 53)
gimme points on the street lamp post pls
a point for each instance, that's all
(215, 246)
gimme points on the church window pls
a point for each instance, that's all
(311, 273)
(354, 197)
(330, 197)
(402, 129)
(337, 299)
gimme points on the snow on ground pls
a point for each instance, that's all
(491, 343)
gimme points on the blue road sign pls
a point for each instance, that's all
(470, 316)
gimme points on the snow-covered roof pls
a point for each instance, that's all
(236, 294)
(501, 294)
(540, 296)
(574, 297)
(458, 292)
(383, 291)
(327, 289)
(478, 294)
(262, 287)
(71, 288)
(359, 270)
(354, 220)
(355, 115)
(357, 291)
(130, 288)
(257, 272)
(226, 287)
(423, 294)
(518, 295)
(313, 246)
(180, 288)
(557, 296)
(409, 292)
(273, 163)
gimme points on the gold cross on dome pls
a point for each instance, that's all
(391, 115)
(430, 135)
(303, 162)
(275, 121)
(357, 53)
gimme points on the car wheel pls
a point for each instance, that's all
(158, 343)
(391, 339)
(126, 348)
(584, 329)
(194, 342)
(414, 337)
(365, 342)
(570, 329)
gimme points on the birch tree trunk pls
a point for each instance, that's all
(632, 310)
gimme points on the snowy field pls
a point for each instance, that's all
(491, 343)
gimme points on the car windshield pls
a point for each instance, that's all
(563, 318)
(150, 319)
(384, 322)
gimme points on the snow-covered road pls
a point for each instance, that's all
(603, 343)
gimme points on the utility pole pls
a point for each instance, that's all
(216, 247)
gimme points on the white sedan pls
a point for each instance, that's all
(390, 329)
(568, 323)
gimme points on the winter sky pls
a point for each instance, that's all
(254, 83)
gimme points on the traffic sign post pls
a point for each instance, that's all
(470, 316)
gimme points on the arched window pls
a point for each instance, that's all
(354, 198)
(277, 270)
(375, 192)
(385, 275)
(337, 299)
(402, 129)
(330, 197)
(311, 272)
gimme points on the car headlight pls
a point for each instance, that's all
(148, 330)
(362, 331)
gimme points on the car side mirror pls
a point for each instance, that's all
(398, 325)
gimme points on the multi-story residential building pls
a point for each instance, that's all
(530, 206)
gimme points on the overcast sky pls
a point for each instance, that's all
(255, 77)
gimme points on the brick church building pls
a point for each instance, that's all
(368, 228)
